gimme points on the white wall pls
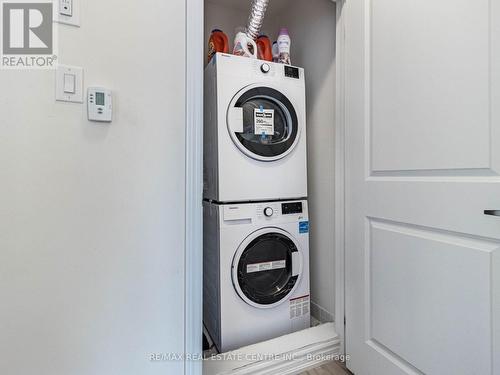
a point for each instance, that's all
(311, 24)
(92, 215)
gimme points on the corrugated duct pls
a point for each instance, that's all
(256, 18)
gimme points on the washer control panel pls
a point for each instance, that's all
(266, 212)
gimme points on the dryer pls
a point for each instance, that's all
(254, 130)
(256, 271)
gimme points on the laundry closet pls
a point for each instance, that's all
(269, 193)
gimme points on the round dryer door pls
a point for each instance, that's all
(263, 123)
(267, 268)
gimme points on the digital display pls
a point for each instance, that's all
(291, 72)
(99, 98)
(291, 208)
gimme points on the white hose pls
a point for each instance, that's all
(256, 19)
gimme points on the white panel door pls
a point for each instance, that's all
(422, 166)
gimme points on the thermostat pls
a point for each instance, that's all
(99, 104)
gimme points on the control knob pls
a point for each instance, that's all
(265, 68)
(268, 211)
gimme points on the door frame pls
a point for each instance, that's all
(193, 268)
(193, 233)
(340, 167)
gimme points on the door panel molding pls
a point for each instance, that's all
(423, 261)
(439, 269)
(392, 140)
(394, 358)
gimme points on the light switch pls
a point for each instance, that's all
(69, 84)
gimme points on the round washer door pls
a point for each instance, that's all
(267, 268)
(263, 123)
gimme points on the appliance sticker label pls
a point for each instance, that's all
(299, 307)
(303, 227)
(266, 266)
(264, 121)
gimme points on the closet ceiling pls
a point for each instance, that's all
(275, 6)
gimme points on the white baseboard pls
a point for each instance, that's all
(286, 355)
(320, 313)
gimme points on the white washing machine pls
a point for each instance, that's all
(255, 130)
(256, 271)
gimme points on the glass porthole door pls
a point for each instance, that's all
(267, 268)
(263, 123)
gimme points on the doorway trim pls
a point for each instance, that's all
(193, 283)
(193, 235)
(340, 161)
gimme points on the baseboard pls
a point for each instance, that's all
(286, 355)
(321, 314)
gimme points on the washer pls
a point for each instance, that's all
(256, 271)
(255, 130)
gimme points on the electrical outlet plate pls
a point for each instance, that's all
(68, 12)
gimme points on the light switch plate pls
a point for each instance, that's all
(63, 73)
(68, 12)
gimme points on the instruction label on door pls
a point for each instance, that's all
(266, 266)
(264, 121)
(299, 307)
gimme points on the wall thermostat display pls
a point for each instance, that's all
(99, 104)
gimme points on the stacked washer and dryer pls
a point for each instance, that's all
(256, 227)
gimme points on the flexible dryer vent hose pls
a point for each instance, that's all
(256, 18)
